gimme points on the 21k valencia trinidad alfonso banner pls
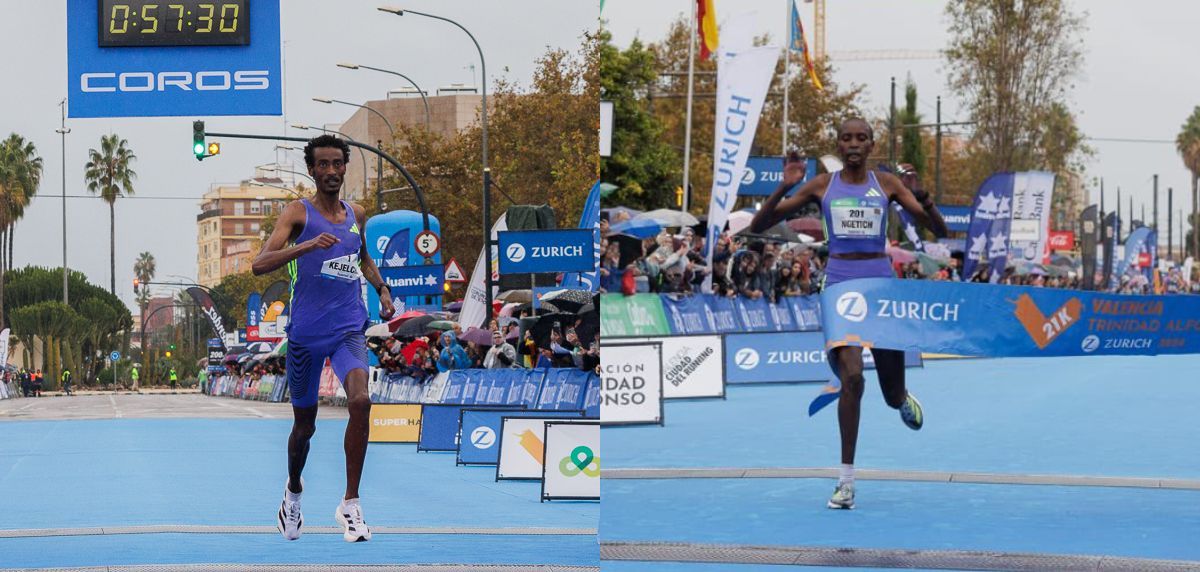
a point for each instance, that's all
(1006, 321)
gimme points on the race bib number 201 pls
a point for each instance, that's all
(343, 268)
(856, 221)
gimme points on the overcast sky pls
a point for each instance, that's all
(1133, 84)
(316, 35)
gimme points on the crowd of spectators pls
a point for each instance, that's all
(757, 268)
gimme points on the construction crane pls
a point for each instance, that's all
(858, 55)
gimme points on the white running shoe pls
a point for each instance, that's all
(843, 496)
(349, 515)
(289, 520)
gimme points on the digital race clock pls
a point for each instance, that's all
(142, 23)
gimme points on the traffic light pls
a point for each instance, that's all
(135, 285)
(198, 147)
(214, 148)
(168, 353)
(678, 196)
(172, 347)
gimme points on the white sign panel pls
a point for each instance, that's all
(572, 468)
(521, 447)
(692, 366)
(631, 381)
(606, 126)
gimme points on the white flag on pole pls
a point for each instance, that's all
(474, 309)
(743, 76)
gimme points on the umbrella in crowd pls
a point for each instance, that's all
(616, 212)
(669, 217)
(280, 348)
(901, 256)
(397, 321)
(516, 296)
(258, 347)
(231, 358)
(589, 325)
(567, 300)
(637, 228)
(478, 335)
(607, 189)
(441, 325)
(780, 232)
(378, 331)
(414, 326)
(808, 225)
(455, 306)
(506, 320)
(738, 221)
(629, 246)
(541, 329)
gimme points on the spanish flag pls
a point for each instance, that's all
(799, 44)
(706, 27)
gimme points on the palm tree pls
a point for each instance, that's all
(20, 176)
(144, 269)
(1188, 145)
(108, 174)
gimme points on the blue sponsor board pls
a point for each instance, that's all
(536, 251)
(764, 174)
(776, 357)
(439, 425)
(480, 429)
(389, 240)
(423, 280)
(1008, 321)
(147, 76)
(958, 218)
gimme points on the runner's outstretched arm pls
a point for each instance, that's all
(287, 229)
(776, 208)
(370, 271)
(920, 207)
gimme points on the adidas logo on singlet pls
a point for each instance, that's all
(874, 193)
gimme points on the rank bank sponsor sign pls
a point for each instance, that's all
(631, 384)
(162, 67)
(775, 357)
(537, 251)
(692, 366)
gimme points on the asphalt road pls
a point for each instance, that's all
(148, 405)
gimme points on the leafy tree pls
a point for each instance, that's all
(1188, 145)
(542, 149)
(20, 176)
(109, 173)
(645, 168)
(911, 149)
(1012, 63)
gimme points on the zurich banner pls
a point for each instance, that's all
(537, 251)
(763, 175)
(776, 357)
(1006, 321)
(140, 59)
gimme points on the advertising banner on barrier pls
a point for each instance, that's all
(637, 315)
(521, 446)
(631, 384)
(573, 467)
(534, 251)
(395, 423)
(480, 428)
(439, 425)
(776, 357)
(693, 366)
(1007, 321)
(756, 314)
(763, 175)
(591, 397)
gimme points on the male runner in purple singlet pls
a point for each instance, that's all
(321, 242)
(854, 206)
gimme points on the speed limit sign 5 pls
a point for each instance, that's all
(427, 243)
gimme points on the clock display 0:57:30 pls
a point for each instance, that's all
(144, 23)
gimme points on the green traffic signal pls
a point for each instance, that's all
(198, 146)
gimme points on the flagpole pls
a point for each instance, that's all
(787, 76)
(687, 126)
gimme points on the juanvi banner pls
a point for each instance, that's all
(1006, 321)
(743, 76)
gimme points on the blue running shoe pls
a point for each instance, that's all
(911, 413)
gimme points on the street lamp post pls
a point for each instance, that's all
(63, 131)
(361, 154)
(487, 173)
(420, 92)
